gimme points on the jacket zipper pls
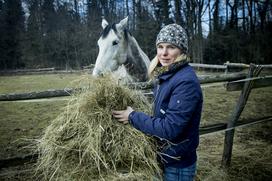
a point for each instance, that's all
(155, 99)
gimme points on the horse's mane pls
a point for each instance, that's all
(137, 54)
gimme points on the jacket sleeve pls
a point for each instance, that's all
(181, 107)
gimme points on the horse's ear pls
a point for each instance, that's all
(104, 23)
(122, 24)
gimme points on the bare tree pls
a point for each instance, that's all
(178, 11)
(262, 10)
(250, 14)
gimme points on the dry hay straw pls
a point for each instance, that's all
(86, 143)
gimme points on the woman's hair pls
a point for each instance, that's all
(153, 64)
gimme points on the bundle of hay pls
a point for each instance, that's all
(86, 143)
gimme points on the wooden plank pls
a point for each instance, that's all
(257, 83)
(36, 95)
(215, 128)
(11, 73)
(236, 65)
(209, 66)
(204, 79)
(212, 128)
(242, 65)
(267, 66)
(32, 70)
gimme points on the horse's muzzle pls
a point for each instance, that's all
(97, 73)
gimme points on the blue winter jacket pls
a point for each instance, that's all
(177, 112)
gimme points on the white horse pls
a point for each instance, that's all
(120, 53)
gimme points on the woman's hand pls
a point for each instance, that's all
(122, 116)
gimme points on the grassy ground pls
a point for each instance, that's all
(31, 83)
(24, 120)
(21, 120)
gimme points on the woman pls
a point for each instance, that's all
(177, 106)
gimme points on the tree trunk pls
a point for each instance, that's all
(244, 15)
(165, 12)
(210, 18)
(133, 15)
(250, 9)
(178, 13)
(216, 16)
(227, 12)
(199, 32)
(127, 7)
(262, 9)
(190, 15)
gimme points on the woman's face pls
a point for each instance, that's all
(167, 53)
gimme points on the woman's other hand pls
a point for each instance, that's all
(122, 115)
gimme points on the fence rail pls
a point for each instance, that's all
(226, 66)
(257, 83)
(39, 71)
(235, 82)
(141, 85)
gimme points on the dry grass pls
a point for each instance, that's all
(84, 142)
(251, 155)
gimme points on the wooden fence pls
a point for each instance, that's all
(233, 82)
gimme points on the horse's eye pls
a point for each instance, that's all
(115, 42)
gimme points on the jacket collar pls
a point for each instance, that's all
(170, 73)
(165, 72)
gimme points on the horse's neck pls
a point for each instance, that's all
(137, 61)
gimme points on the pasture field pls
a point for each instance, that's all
(31, 83)
(23, 121)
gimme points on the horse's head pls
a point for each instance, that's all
(112, 51)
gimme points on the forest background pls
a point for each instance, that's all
(64, 33)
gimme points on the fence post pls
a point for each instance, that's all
(227, 69)
(254, 71)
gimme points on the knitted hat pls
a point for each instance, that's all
(174, 34)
